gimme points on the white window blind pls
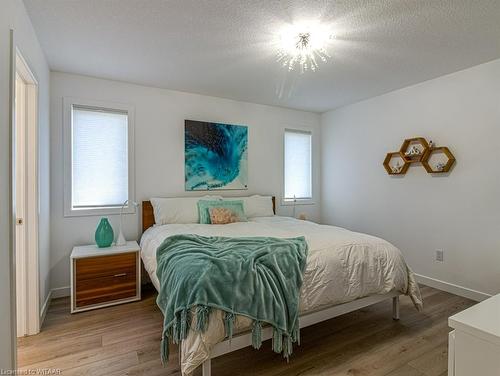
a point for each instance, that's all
(99, 158)
(298, 165)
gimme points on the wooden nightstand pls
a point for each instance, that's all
(102, 277)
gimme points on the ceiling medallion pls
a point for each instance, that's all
(303, 47)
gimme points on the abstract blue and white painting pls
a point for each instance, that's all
(216, 156)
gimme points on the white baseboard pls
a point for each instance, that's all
(45, 307)
(61, 292)
(452, 288)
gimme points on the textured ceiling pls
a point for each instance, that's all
(226, 48)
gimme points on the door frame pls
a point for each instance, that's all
(29, 269)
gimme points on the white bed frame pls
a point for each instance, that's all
(245, 339)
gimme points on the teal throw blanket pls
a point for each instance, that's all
(257, 277)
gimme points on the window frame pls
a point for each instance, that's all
(298, 201)
(68, 104)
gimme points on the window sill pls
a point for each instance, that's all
(298, 202)
(98, 211)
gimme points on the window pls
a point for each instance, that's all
(99, 157)
(298, 165)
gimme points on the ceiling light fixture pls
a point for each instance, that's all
(303, 46)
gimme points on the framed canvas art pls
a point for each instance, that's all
(216, 156)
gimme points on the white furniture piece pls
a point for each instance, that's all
(474, 344)
(102, 277)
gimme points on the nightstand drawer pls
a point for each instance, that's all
(105, 289)
(105, 266)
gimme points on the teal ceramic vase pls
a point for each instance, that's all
(104, 235)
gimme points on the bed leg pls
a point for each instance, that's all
(206, 368)
(395, 308)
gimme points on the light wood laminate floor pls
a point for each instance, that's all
(124, 340)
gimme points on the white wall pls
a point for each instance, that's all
(13, 16)
(159, 148)
(419, 213)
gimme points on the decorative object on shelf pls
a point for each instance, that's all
(441, 166)
(399, 167)
(413, 152)
(417, 149)
(121, 239)
(215, 156)
(104, 234)
(302, 216)
(414, 149)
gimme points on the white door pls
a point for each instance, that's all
(20, 138)
(26, 200)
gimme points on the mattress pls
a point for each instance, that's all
(341, 266)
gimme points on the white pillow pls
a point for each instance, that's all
(178, 209)
(256, 205)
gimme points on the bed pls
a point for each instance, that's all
(345, 271)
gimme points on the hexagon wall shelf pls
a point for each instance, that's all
(414, 144)
(438, 168)
(391, 168)
(415, 150)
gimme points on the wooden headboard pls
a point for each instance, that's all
(148, 217)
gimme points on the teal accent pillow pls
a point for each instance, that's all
(236, 207)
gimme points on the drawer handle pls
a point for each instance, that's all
(120, 275)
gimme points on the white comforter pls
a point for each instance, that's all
(341, 266)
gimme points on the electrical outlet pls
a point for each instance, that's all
(439, 255)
